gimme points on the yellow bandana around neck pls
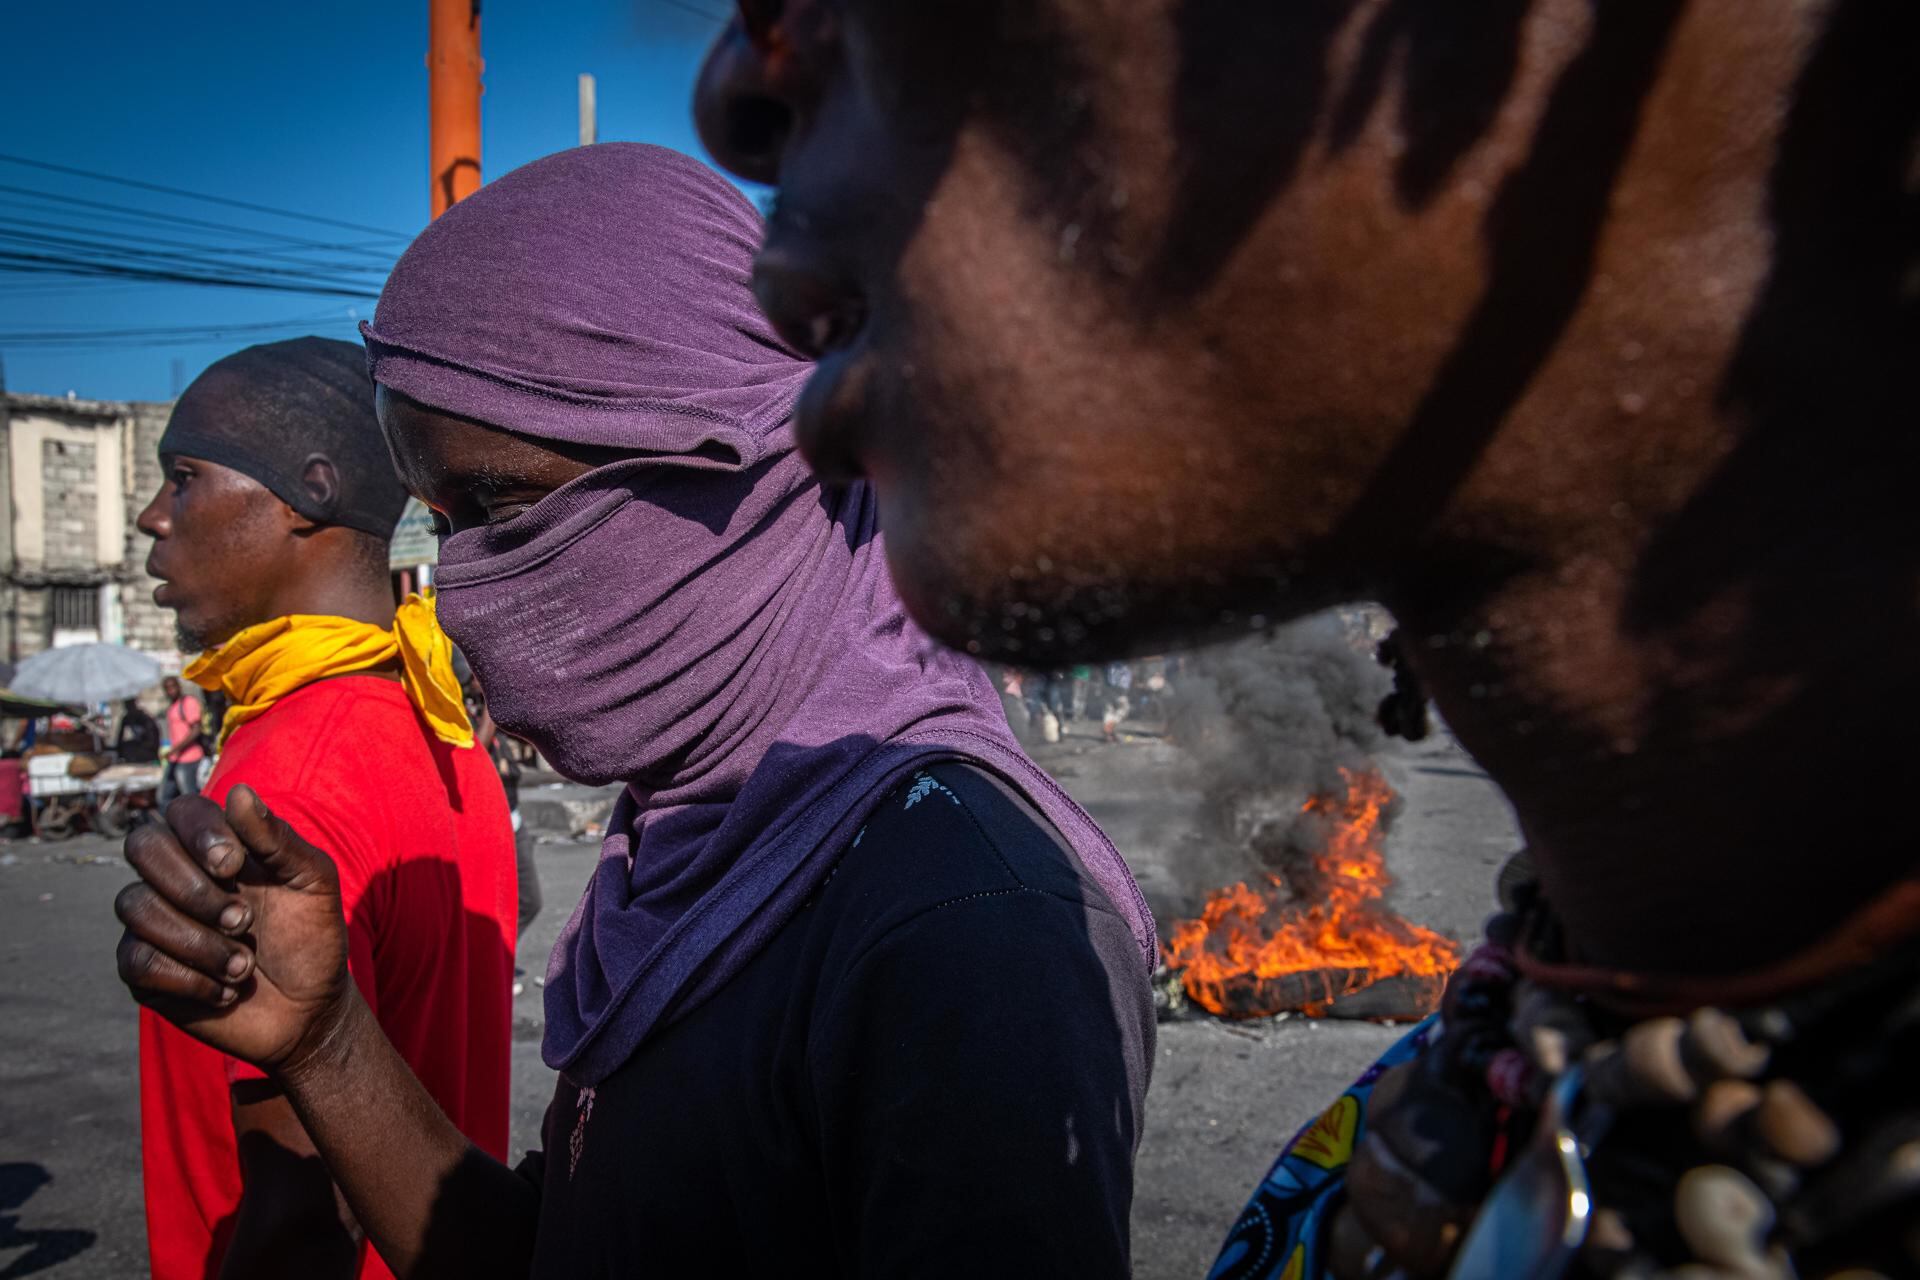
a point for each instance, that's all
(265, 663)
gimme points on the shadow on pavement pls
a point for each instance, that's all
(44, 1249)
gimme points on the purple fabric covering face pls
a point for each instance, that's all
(702, 622)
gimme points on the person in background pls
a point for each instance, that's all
(138, 739)
(1041, 694)
(1066, 696)
(1119, 692)
(186, 743)
(1582, 336)
(270, 535)
(1154, 690)
(211, 719)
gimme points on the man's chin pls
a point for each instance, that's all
(1040, 629)
(1053, 623)
(195, 630)
(198, 637)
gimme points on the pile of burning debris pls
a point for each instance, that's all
(1316, 939)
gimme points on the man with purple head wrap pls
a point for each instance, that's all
(855, 989)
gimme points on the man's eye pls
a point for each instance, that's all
(178, 477)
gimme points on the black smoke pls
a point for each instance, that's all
(1270, 723)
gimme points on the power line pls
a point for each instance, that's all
(11, 288)
(297, 257)
(176, 331)
(99, 250)
(177, 335)
(212, 338)
(52, 242)
(144, 218)
(684, 7)
(171, 330)
(125, 211)
(95, 176)
(46, 255)
(51, 264)
(206, 254)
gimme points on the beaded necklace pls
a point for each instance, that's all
(1779, 1138)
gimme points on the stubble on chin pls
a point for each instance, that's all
(188, 640)
(210, 630)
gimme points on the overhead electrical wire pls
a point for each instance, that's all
(97, 251)
(182, 193)
(236, 334)
(130, 214)
(166, 335)
(287, 264)
(685, 7)
(165, 330)
(51, 264)
(172, 218)
(40, 254)
(53, 242)
(298, 257)
(12, 287)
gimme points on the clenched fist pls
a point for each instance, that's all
(234, 931)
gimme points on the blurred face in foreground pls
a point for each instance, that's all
(1580, 334)
(1156, 317)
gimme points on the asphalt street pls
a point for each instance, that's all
(1223, 1096)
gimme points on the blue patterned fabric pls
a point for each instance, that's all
(1279, 1235)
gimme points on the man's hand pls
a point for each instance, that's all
(287, 1005)
(234, 931)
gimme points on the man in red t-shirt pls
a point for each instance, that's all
(270, 539)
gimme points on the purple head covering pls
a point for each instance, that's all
(702, 622)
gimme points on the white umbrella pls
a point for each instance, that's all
(84, 674)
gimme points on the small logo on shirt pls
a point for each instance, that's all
(924, 785)
(579, 1139)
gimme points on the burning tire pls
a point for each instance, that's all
(1332, 950)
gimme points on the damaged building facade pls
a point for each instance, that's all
(74, 476)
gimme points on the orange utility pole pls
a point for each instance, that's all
(453, 90)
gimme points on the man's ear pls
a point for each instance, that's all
(321, 484)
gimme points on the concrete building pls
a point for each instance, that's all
(74, 475)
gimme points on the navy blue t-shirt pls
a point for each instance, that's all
(936, 1068)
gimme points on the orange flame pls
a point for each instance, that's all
(1251, 954)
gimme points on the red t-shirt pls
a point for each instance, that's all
(420, 833)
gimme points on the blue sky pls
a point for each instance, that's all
(318, 108)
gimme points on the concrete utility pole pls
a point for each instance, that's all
(589, 125)
(453, 91)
